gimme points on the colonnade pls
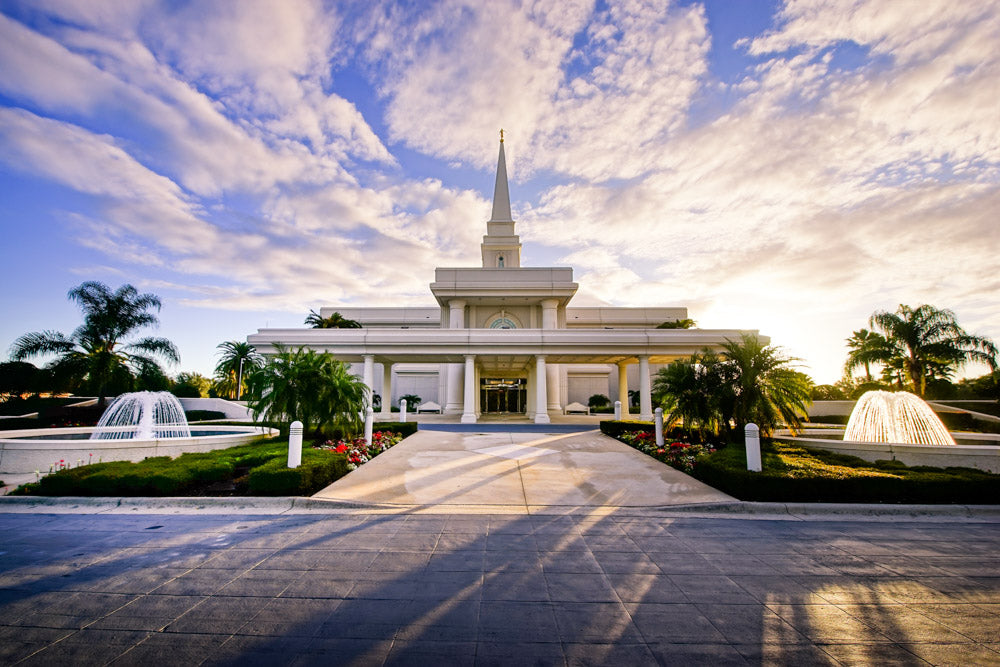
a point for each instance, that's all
(464, 384)
(462, 390)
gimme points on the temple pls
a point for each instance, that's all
(503, 338)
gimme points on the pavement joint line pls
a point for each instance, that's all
(524, 493)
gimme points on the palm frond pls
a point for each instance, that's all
(40, 342)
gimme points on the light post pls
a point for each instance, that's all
(239, 382)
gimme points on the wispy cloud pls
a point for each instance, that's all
(227, 151)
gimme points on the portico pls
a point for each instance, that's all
(503, 337)
(518, 353)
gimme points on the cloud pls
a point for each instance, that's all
(271, 120)
(853, 166)
(147, 220)
(590, 91)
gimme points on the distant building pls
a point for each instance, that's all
(503, 338)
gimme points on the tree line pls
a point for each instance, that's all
(710, 392)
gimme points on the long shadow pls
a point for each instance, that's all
(363, 587)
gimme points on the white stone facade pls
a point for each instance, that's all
(503, 338)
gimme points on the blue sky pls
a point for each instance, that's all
(788, 168)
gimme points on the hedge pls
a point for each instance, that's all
(616, 428)
(319, 468)
(157, 476)
(266, 463)
(837, 478)
(18, 423)
(405, 429)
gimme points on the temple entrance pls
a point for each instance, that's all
(499, 395)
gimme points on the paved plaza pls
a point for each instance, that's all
(497, 549)
(612, 587)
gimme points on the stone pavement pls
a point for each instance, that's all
(525, 472)
(609, 587)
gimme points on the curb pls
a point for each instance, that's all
(289, 504)
(990, 513)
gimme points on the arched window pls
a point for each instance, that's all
(503, 323)
(500, 261)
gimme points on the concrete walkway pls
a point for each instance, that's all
(526, 472)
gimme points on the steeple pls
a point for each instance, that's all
(501, 247)
(501, 193)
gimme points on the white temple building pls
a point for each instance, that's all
(503, 338)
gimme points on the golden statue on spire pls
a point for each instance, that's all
(501, 135)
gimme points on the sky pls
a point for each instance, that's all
(790, 167)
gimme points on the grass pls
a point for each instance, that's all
(792, 473)
(255, 469)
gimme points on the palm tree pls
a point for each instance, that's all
(237, 359)
(864, 349)
(694, 391)
(96, 352)
(686, 323)
(767, 390)
(308, 386)
(335, 321)
(928, 343)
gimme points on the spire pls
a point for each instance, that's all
(501, 193)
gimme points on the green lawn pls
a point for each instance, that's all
(255, 469)
(795, 474)
(792, 473)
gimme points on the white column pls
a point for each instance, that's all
(469, 402)
(623, 387)
(550, 320)
(645, 397)
(386, 411)
(369, 375)
(456, 320)
(529, 394)
(541, 395)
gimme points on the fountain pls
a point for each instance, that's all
(900, 426)
(143, 415)
(895, 417)
(135, 426)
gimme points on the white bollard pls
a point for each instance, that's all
(369, 424)
(618, 410)
(402, 410)
(752, 434)
(295, 444)
(658, 422)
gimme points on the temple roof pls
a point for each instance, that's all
(501, 193)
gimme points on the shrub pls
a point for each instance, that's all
(404, 429)
(18, 423)
(794, 474)
(676, 454)
(412, 401)
(319, 468)
(615, 428)
(158, 476)
(598, 401)
(358, 451)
